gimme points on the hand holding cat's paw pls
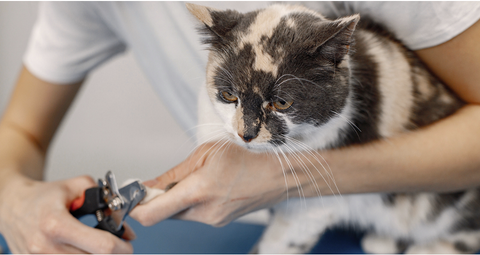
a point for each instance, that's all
(215, 186)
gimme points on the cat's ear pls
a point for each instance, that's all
(336, 38)
(217, 23)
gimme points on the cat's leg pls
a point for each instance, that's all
(374, 243)
(295, 229)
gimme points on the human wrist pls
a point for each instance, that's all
(6, 175)
(9, 180)
(278, 174)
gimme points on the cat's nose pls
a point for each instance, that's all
(247, 138)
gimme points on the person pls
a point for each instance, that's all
(71, 39)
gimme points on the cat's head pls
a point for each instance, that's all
(274, 73)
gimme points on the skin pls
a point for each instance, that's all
(216, 188)
(441, 157)
(36, 218)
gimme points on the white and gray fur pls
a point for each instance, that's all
(351, 82)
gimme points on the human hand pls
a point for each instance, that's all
(35, 218)
(216, 184)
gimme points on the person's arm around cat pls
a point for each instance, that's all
(440, 157)
(34, 216)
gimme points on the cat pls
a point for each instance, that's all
(287, 78)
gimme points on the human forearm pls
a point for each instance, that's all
(19, 154)
(441, 157)
(29, 123)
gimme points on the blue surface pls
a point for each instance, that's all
(339, 241)
(3, 245)
(174, 236)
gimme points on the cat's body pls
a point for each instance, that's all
(286, 78)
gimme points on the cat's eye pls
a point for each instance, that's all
(229, 97)
(282, 104)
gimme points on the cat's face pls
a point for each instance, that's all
(274, 74)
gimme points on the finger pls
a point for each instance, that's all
(78, 185)
(129, 234)
(176, 174)
(54, 248)
(166, 205)
(180, 171)
(89, 239)
(67, 249)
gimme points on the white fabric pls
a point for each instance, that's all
(420, 24)
(71, 38)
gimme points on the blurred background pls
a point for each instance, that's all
(116, 123)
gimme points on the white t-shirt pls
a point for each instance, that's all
(71, 38)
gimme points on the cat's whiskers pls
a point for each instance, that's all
(305, 169)
(217, 149)
(355, 128)
(215, 134)
(196, 78)
(280, 84)
(349, 121)
(279, 78)
(309, 150)
(203, 145)
(296, 153)
(295, 176)
(190, 138)
(300, 80)
(315, 152)
(208, 150)
(283, 170)
(228, 143)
